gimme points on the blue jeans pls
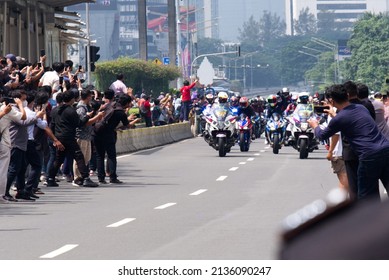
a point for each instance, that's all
(370, 170)
(185, 110)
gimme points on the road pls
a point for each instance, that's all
(180, 201)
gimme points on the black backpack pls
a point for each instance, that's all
(103, 123)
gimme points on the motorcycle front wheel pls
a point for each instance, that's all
(222, 146)
(303, 148)
(276, 144)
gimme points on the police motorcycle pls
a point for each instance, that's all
(220, 128)
(275, 131)
(303, 137)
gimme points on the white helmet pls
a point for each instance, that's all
(223, 97)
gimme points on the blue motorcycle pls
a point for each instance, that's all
(275, 131)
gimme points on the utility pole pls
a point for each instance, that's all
(87, 53)
(142, 19)
(172, 24)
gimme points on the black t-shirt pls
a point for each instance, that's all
(109, 130)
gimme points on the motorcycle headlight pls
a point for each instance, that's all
(304, 126)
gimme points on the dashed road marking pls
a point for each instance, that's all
(257, 154)
(250, 159)
(198, 192)
(221, 178)
(233, 168)
(59, 251)
(242, 162)
(266, 148)
(262, 151)
(122, 222)
(164, 206)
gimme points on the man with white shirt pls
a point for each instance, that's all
(51, 78)
(118, 86)
(5, 143)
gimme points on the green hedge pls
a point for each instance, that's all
(138, 74)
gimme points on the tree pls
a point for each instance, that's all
(370, 51)
(271, 27)
(306, 23)
(249, 35)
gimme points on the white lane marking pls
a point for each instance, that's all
(59, 251)
(257, 154)
(233, 168)
(221, 178)
(243, 162)
(164, 206)
(262, 151)
(122, 222)
(250, 159)
(198, 192)
(267, 147)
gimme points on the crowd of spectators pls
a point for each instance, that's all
(48, 127)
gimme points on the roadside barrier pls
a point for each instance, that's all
(132, 140)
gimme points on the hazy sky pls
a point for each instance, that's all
(233, 13)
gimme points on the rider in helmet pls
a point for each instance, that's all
(210, 100)
(245, 107)
(292, 105)
(234, 105)
(222, 97)
(275, 105)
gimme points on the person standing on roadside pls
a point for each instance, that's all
(349, 156)
(106, 136)
(84, 133)
(66, 120)
(372, 148)
(186, 99)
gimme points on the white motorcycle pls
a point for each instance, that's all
(220, 132)
(303, 137)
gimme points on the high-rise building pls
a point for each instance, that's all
(207, 18)
(342, 13)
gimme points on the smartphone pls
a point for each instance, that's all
(320, 108)
(60, 81)
(9, 100)
(43, 52)
(39, 65)
(79, 67)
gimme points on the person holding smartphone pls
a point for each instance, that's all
(51, 78)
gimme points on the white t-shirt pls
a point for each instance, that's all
(338, 150)
(5, 122)
(118, 87)
(42, 124)
(50, 78)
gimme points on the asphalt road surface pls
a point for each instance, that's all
(178, 202)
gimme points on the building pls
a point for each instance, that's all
(340, 13)
(26, 27)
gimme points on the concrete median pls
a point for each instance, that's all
(133, 140)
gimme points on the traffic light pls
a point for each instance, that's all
(93, 53)
(94, 56)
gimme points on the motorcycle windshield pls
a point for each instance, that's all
(220, 113)
(304, 112)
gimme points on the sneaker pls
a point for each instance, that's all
(89, 183)
(103, 182)
(24, 197)
(51, 183)
(69, 178)
(77, 182)
(38, 191)
(115, 181)
(8, 197)
(34, 196)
